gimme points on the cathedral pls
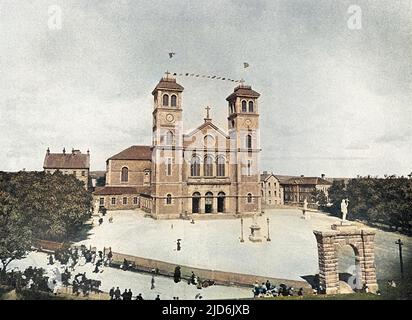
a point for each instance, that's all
(207, 172)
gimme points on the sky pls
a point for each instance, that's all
(336, 91)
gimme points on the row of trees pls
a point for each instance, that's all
(385, 201)
(39, 205)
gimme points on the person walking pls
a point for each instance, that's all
(153, 283)
(111, 293)
(117, 294)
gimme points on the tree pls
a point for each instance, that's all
(55, 205)
(319, 197)
(15, 235)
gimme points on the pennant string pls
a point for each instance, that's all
(207, 77)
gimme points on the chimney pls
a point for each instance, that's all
(72, 151)
(302, 175)
(323, 176)
(265, 172)
(64, 150)
(48, 151)
(88, 151)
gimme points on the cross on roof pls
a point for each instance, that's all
(208, 110)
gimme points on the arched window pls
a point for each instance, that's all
(249, 141)
(244, 106)
(208, 166)
(174, 101)
(249, 198)
(169, 199)
(165, 100)
(195, 166)
(250, 106)
(169, 138)
(125, 174)
(220, 166)
(208, 141)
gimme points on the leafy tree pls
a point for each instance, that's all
(15, 235)
(319, 197)
(385, 201)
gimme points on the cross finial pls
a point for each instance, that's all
(207, 112)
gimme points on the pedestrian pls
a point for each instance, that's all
(158, 297)
(111, 220)
(153, 283)
(193, 278)
(177, 275)
(51, 261)
(300, 292)
(179, 247)
(139, 297)
(130, 294)
(111, 293)
(100, 221)
(125, 295)
(117, 294)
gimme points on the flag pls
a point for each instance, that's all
(246, 65)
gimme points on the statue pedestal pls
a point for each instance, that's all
(343, 225)
(255, 235)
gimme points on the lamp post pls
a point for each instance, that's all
(241, 230)
(400, 244)
(268, 238)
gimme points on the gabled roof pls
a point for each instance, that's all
(66, 161)
(204, 125)
(283, 178)
(243, 91)
(134, 153)
(307, 180)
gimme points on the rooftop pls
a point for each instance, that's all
(243, 91)
(168, 82)
(73, 160)
(134, 153)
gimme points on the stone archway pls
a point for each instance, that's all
(361, 240)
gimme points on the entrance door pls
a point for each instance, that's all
(209, 203)
(221, 202)
(195, 202)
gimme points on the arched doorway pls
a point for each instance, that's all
(349, 269)
(209, 202)
(195, 202)
(221, 202)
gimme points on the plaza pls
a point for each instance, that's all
(215, 244)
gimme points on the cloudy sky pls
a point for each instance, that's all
(334, 100)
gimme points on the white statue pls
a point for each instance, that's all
(344, 208)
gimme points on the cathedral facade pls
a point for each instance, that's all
(207, 172)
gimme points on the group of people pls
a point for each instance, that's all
(269, 290)
(71, 257)
(81, 284)
(127, 295)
